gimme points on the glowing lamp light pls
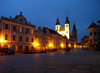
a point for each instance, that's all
(36, 44)
(69, 45)
(50, 45)
(1, 41)
(62, 45)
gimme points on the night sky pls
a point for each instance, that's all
(45, 12)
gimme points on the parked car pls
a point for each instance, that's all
(86, 48)
(49, 50)
(7, 51)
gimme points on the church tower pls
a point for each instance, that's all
(57, 26)
(67, 28)
(74, 32)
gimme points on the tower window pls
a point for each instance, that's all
(95, 41)
(95, 33)
(57, 26)
(90, 33)
(57, 29)
(66, 25)
(90, 41)
(66, 31)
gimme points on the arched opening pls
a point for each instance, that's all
(13, 47)
(32, 48)
(20, 49)
(5, 46)
(26, 48)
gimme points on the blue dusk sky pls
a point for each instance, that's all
(45, 12)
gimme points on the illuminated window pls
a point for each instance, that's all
(66, 25)
(6, 26)
(6, 37)
(31, 31)
(95, 41)
(20, 29)
(13, 37)
(66, 31)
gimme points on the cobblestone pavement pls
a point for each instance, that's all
(79, 61)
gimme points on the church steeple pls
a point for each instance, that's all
(57, 23)
(67, 21)
(74, 27)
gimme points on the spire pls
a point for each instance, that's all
(67, 21)
(74, 27)
(21, 13)
(57, 23)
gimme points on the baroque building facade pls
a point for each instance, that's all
(17, 33)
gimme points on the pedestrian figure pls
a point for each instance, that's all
(67, 50)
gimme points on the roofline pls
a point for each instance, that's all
(18, 23)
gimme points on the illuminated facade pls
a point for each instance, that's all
(17, 33)
(72, 39)
(40, 39)
(54, 40)
(63, 31)
(84, 42)
(94, 37)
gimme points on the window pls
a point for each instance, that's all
(26, 39)
(20, 29)
(20, 38)
(32, 40)
(57, 29)
(90, 41)
(90, 33)
(95, 41)
(57, 26)
(13, 37)
(14, 28)
(66, 31)
(66, 25)
(6, 26)
(31, 31)
(27, 30)
(6, 37)
(95, 33)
